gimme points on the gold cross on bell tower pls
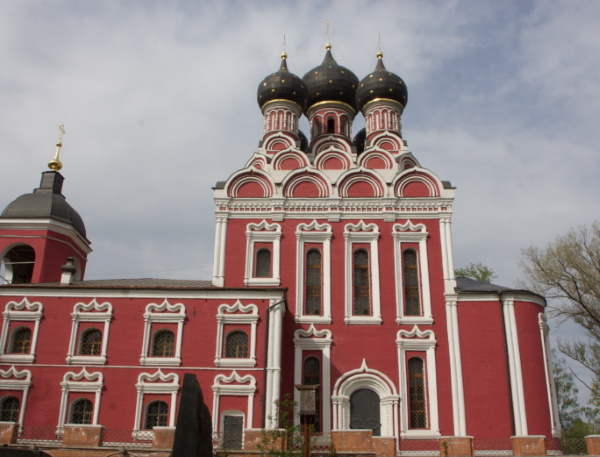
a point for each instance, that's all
(55, 164)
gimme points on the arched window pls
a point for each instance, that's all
(412, 299)
(263, 263)
(18, 263)
(361, 281)
(311, 375)
(9, 409)
(156, 415)
(163, 343)
(313, 282)
(416, 393)
(236, 345)
(82, 411)
(90, 342)
(330, 125)
(20, 341)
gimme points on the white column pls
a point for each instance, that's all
(272, 389)
(219, 254)
(514, 367)
(549, 372)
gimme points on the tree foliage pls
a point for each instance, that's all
(477, 271)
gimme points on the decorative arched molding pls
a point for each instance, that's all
(387, 140)
(336, 154)
(549, 373)
(376, 153)
(262, 232)
(252, 176)
(362, 233)
(330, 142)
(258, 162)
(315, 340)
(155, 383)
(361, 176)
(91, 312)
(289, 154)
(366, 378)
(417, 175)
(8, 266)
(240, 315)
(278, 141)
(24, 311)
(408, 161)
(12, 380)
(236, 385)
(416, 340)
(411, 233)
(314, 233)
(79, 382)
(293, 180)
(163, 313)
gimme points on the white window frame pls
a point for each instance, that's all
(90, 312)
(318, 234)
(262, 233)
(79, 382)
(424, 342)
(362, 233)
(12, 379)
(147, 384)
(235, 385)
(410, 233)
(20, 312)
(163, 313)
(241, 315)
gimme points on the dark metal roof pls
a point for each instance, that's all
(381, 84)
(472, 285)
(282, 85)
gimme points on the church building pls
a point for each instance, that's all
(333, 267)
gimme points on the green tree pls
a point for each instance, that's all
(477, 271)
(569, 410)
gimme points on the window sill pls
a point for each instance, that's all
(235, 362)
(17, 358)
(420, 434)
(161, 361)
(363, 320)
(86, 359)
(262, 281)
(312, 319)
(424, 320)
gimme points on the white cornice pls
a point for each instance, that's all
(517, 296)
(47, 224)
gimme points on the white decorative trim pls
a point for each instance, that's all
(234, 385)
(362, 233)
(92, 312)
(219, 254)
(21, 380)
(410, 233)
(273, 363)
(416, 340)
(366, 378)
(262, 233)
(147, 384)
(313, 233)
(20, 312)
(549, 374)
(163, 313)
(314, 340)
(79, 382)
(456, 379)
(240, 315)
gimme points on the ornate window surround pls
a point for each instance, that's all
(91, 312)
(262, 233)
(12, 379)
(416, 340)
(24, 311)
(313, 233)
(79, 382)
(241, 315)
(147, 384)
(362, 233)
(237, 385)
(410, 233)
(163, 313)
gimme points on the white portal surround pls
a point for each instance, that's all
(266, 233)
(147, 384)
(79, 382)
(241, 315)
(12, 379)
(20, 312)
(91, 312)
(237, 385)
(164, 313)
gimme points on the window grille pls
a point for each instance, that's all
(411, 283)
(20, 342)
(91, 342)
(362, 305)
(9, 409)
(416, 393)
(236, 346)
(263, 263)
(156, 415)
(313, 283)
(82, 411)
(163, 344)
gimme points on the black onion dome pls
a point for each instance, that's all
(331, 82)
(282, 85)
(381, 84)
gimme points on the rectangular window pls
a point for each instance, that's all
(362, 283)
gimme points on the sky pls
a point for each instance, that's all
(158, 99)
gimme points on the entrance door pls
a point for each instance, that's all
(233, 428)
(364, 411)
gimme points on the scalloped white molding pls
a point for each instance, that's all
(155, 383)
(163, 313)
(90, 312)
(12, 379)
(79, 382)
(242, 316)
(236, 385)
(262, 233)
(24, 311)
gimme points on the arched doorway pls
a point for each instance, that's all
(364, 411)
